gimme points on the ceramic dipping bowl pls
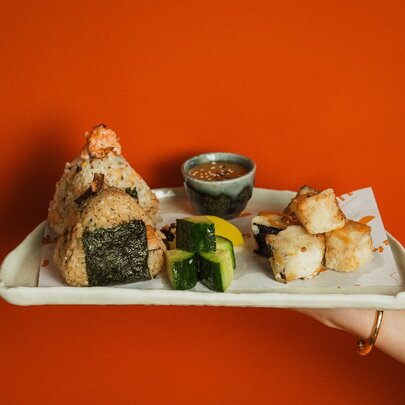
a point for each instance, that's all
(223, 197)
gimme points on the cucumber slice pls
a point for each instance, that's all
(195, 234)
(216, 270)
(226, 244)
(182, 269)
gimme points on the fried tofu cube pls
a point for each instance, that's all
(319, 213)
(296, 254)
(349, 248)
(303, 191)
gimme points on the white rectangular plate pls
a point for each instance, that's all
(20, 273)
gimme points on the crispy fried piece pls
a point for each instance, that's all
(348, 248)
(319, 213)
(304, 191)
(296, 254)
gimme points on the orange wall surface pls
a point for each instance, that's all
(313, 91)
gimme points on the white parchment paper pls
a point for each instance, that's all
(253, 273)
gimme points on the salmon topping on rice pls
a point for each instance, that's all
(100, 142)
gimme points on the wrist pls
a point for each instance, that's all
(358, 322)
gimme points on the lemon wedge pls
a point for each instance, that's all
(227, 230)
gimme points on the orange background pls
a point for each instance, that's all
(312, 91)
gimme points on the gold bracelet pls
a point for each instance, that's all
(364, 347)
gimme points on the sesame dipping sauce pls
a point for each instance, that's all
(217, 171)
